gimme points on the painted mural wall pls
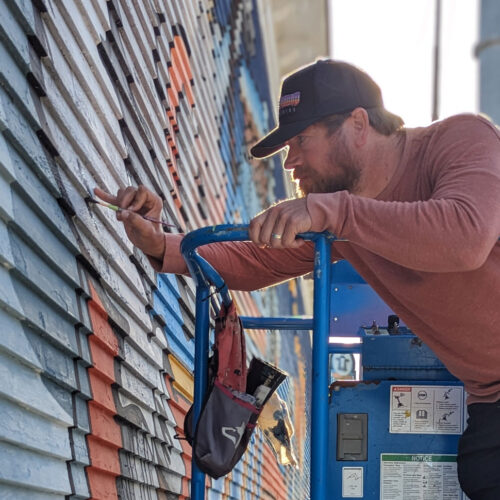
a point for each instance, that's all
(488, 53)
(96, 349)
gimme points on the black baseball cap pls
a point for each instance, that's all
(323, 88)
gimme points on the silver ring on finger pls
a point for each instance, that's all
(276, 236)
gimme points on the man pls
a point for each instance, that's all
(420, 210)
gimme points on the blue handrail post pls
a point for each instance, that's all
(201, 346)
(319, 410)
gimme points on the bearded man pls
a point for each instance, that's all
(418, 215)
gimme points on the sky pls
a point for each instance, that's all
(393, 40)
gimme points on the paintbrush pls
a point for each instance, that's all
(118, 209)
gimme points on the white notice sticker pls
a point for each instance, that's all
(352, 482)
(426, 409)
(419, 477)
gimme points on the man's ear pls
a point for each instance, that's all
(360, 124)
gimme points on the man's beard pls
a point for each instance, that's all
(346, 177)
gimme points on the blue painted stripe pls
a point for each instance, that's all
(10, 492)
(23, 467)
(31, 430)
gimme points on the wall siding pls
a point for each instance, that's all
(96, 349)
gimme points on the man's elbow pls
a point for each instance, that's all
(471, 259)
(471, 263)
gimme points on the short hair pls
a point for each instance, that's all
(383, 121)
(380, 119)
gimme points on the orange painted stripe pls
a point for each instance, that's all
(272, 478)
(104, 426)
(189, 94)
(173, 98)
(101, 391)
(105, 439)
(175, 81)
(102, 358)
(102, 483)
(300, 383)
(103, 456)
(183, 54)
(178, 203)
(173, 101)
(102, 330)
(184, 61)
(170, 111)
(179, 413)
(179, 63)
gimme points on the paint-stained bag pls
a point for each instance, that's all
(233, 401)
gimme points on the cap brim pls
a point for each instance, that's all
(275, 140)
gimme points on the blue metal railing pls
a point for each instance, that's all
(206, 277)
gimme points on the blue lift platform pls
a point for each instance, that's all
(404, 389)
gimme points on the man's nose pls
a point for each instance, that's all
(292, 159)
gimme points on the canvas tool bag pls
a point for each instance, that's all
(230, 411)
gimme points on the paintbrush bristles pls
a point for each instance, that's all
(107, 205)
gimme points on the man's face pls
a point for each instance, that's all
(321, 163)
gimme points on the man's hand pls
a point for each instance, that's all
(278, 226)
(144, 234)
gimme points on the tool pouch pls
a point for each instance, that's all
(234, 399)
(224, 429)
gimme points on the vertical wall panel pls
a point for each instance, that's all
(96, 349)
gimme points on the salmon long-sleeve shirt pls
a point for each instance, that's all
(428, 245)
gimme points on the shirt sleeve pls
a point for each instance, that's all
(245, 266)
(454, 229)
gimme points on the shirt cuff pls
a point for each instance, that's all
(160, 265)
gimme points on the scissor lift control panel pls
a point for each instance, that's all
(394, 432)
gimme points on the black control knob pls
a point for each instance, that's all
(393, 324)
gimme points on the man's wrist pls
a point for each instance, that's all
(325, 210)
(158, 251)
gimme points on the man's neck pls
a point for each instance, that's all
(379, 162)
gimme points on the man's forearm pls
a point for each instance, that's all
(242, 265)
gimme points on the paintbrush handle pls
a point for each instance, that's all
(158, 221)
(118, 209)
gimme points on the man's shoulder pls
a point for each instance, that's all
(457, 137)
(461, 127)
(465, 123)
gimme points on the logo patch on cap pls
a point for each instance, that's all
(289, 102)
